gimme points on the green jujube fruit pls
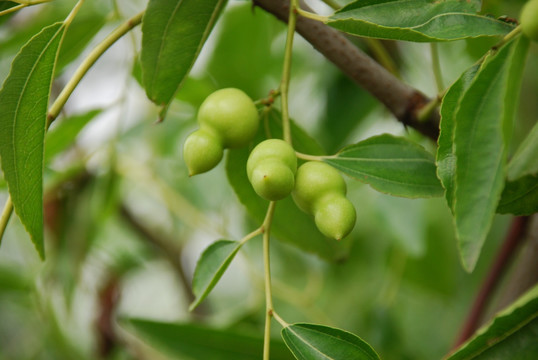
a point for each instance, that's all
(335, 216)
(320, 190)
(313, 180)
(232, 114)
(202, 151)
(529, 19)
(271, 168)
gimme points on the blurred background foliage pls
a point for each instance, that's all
(125, 223)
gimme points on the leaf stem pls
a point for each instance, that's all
(309, 157)
(312, 16)
(280, 320)
(251, 235)
(436, 64)
(73, 13)
(266, 226)
(427, 110)
(13, 9)
(4, 218)
(94, 55)
(285, 82)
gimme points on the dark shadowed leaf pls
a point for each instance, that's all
(199, 342)
(24, 98)
(483, 126)
(173, 33)
(510, 335)
(392, 165)
(416, 20)
(520, 197)
(210, 268)
(317, 342)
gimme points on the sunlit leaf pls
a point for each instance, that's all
(520, 197)
(199, 342)
(391, 165)
(416, 20)
(210, 268)
(484, 121)
(510, 335)
(525, 160)
(173, 33)
(24, 98)
(313, 342)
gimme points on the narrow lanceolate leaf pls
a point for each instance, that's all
(483, 124)
(417, 20)
(173, 33)
(446, 160)
(392, 165)
(520, 197)
(525, 160)
(210, 268)
(510, 335)
(191, 341)
(317, 342)
(24, 99)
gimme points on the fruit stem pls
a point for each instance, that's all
(266, 227)
(4, 218)
(285, 82)
(94, 55)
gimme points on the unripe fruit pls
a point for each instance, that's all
(271, 168)
(529, 19)
(335, 216)
(232, 115)
(202, 151)
(313, 180)
(320, 191)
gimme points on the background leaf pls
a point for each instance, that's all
(416, 20)
(483, 124)
(311, 342)
(525, 160)
(173, 33)
(199, 342)
(24, 98)
(510, 335)
(391, 165)
(210, 268)
(303, 233)
(520, 197)
(63, 133)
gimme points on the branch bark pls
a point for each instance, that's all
(400, 99)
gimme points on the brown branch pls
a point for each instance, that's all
(402, 100)
(514, 237)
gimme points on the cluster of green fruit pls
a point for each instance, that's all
(228, 119)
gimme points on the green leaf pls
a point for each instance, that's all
(446, 160)
(392, 165)
(483, 128)
(416, 20)
(510, 335)
(63, 133)
(199, 342)
(520, 197)
(303, 233)
(210, 268)
(173, 33)
(311, 342)
(525, 160)
(24, 98)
